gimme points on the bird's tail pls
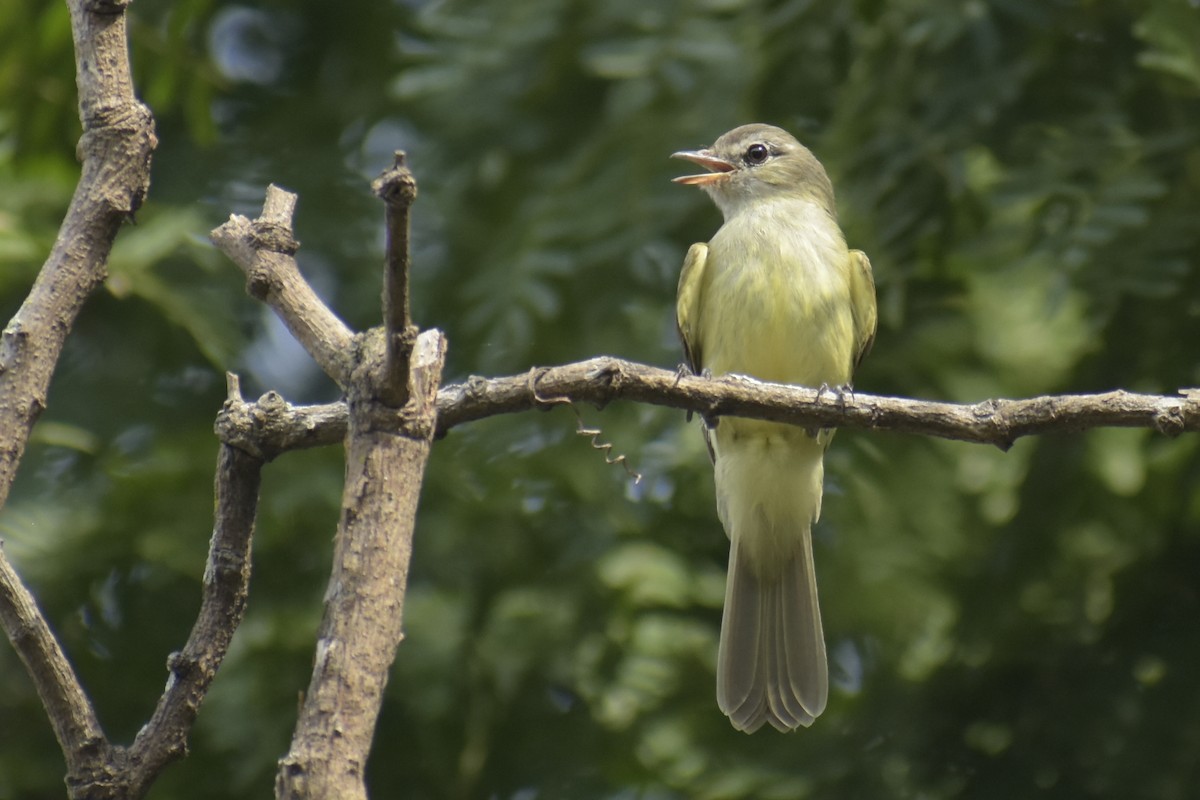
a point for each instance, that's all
(771, 666)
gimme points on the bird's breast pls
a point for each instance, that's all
(777, 301)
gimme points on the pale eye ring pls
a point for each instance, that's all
(757, 153)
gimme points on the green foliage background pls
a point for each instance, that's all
(1025, 175)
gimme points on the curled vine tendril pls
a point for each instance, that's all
(593, 433)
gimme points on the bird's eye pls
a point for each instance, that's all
(756, 154)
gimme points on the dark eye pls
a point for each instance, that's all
(756, 154)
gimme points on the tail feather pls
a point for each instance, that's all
(771, 665)
(740, 692)
(801, 640)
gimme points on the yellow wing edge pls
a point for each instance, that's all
(687, 304)
(862, 304)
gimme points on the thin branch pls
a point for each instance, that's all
(601, 380)
(226, 587)
(398, 189)
(264, 250)
(998, 422)
(118, 138)
(72, 717)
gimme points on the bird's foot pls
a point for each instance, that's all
(710, 420)
(684, 370)
(844, 391)
(839, 392)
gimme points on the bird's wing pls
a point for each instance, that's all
(862, 304)
(687, 303)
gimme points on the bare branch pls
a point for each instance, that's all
(118, 138)
(264, 250)
(226, 587)
(364, 603)
(998, 422)
(95, 768)
(601, 380)
(71, 714)
(398, 189)
(272, 426)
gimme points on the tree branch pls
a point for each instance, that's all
(275, 426)
(264, 250)
(96, 769)
(226, 588)
(364, 604)
(118, 138)
(398, 189)
(87, 752)
(387, 446)
(115, 148)
(271, 426)
(117, 142)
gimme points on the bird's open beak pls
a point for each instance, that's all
(718, 168)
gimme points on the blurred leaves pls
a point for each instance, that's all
(1024, 175)
(195, 296)
(1171, 29)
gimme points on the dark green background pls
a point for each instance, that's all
(1025, 176)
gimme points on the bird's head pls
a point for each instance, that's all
(758, 162)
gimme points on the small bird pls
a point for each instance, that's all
(778, 296)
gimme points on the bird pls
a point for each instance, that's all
(775, 295)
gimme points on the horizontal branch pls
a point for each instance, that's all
(272, 426)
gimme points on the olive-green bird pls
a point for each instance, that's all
(775, 295)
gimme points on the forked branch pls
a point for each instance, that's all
(391, 377)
